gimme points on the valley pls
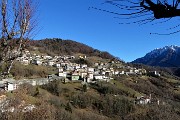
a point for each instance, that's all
(85, 86)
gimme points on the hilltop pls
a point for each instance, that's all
(58, 46)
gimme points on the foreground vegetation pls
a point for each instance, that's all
(100, 101)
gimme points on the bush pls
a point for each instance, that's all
(53, 87)
(155, 112)
(21, 71)
(81, 100)
(114, 106)
(107, 88)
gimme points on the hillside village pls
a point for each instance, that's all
(72, 71)
(68, 71)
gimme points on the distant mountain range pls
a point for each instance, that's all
(168, 56)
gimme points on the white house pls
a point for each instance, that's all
(60, 69)
(98, 77)
(103, 73)
(131, 71)
(58, 65)
(83, 66)
(155, 73)
(51, 63)
(83, 74)
(96, 64)
(104, 68)
(90, 76)
(90, 69)
(10, 86)
(143, 100)
(101, 64)
(136, 71)
(63, 64)
(122, 73)
(47, 57)
(25, 62)
(63, 74)
(37, 62)
(116, 72)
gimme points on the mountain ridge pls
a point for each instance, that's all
(168, 56)
(57, 46)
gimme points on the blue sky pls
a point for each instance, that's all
(71, 19)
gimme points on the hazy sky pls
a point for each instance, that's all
(71, 19)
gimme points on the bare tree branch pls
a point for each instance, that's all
(144, 11)
(18, 20)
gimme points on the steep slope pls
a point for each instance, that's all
(168, 56)
(66, 47)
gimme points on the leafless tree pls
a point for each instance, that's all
(145, 11)
(17, 22)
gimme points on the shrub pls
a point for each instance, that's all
(53, 87)
(21, 71)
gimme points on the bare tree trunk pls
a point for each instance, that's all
(8, 72)
(18, 21)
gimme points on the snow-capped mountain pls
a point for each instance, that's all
(168, 56)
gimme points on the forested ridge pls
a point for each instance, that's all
(67, 47)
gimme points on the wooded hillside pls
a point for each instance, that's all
(66, 47)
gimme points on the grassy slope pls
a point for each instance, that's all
(124, 88)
